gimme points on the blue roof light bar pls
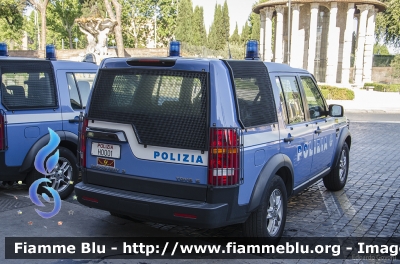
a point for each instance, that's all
(252, 50)
(174, 49)
(50, 52)
(3, 49)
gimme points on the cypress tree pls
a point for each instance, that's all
(245, 36)
(225, 22)
(184, 21)
(220, 40)
(235, 38)
(255, 26)
(212, 35)
(199, 30)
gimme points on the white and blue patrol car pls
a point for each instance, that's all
(208, 142)
(37, 94)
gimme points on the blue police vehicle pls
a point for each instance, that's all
(208, 142)
(37, 94)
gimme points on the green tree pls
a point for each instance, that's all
(11, 12)
(92, 8)
(61, 17)
(11, 21)
(166, 20)
(235, 38)
(381, 49)
(114, 10)
(245, 36)
(136, 16)
(254, 20)
(31, 29)
(216, 40)
(41, 7)
(184, 26)
(388, 23)
(199, 30)
(395, 64)
(225, 22)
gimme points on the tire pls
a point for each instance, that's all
(337, 178)
(261, 224)
(65, 171)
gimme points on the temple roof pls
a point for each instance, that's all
(378, 4)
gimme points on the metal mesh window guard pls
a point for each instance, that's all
(254, 93)
(166, 108)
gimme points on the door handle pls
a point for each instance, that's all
(74, 120)
(318, 131)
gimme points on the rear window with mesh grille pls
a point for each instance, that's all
(166, 108)
(27, 85)
(253, 92)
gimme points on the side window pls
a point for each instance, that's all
(79, 85)
(73, 92)
(282, 99)
(293, 100)
(315, 101)
(254, 93)
(28, 85)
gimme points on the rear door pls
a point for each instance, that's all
(324, 130)
(297, 134)
(30, 99)
(149, 126)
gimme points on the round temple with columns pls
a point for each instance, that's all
(323, 37)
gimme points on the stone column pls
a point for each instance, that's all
(359, 60)
(262, 33)
(269, 11)
(279, 33)
(313, 37)
(348, 39)
(369, 46)
(333, 47)
(294, 52)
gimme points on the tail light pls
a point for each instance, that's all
(82, 140)
(2, 132)
(224, 157)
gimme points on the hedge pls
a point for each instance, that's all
(336, 93)
(381, 87)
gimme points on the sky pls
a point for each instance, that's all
(239, 11)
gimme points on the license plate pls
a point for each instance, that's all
(106, 150)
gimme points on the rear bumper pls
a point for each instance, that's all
(9, 173)
(152, 207)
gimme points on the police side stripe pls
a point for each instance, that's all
(171, 155)
(32, 118)
(260, 138)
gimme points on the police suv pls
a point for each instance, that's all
(37, 94)
(208, 142)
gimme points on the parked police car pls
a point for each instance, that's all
(38, 94)
(208, 142)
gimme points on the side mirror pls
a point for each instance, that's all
(336, 110)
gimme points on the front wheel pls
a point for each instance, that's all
(63, 177)
(337, 178)
(266, 224)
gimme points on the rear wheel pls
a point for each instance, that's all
(337, 178)
(63, 176)
(266, 224)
